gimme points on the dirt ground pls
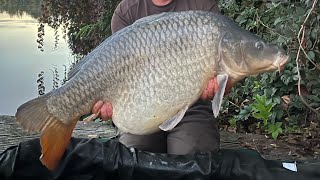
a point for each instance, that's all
(301, 146)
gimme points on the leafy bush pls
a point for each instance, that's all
(279, 23)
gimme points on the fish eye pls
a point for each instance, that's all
(259, 45)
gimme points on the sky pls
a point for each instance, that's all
(21, 61)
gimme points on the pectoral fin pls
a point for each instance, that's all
(217, 99)
(172, 122)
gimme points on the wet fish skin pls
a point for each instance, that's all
(149, 72)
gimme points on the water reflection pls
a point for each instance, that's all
(19, 7)
(20, 59)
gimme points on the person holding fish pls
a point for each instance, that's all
(197, 130)
(153, 77)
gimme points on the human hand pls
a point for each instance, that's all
(103, 110)
(212, 88)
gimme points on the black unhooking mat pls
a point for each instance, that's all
(94, 159)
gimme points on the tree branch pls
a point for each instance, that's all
(302, 30)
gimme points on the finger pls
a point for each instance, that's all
(211, 88)
(91, 117)
(210, 94)
(104, 113)
(109, 110)
(204, 95)
(97, 106)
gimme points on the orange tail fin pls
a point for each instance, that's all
(55, 134)
(54, 140)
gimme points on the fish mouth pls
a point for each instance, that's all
(281, 62)
(235, 75)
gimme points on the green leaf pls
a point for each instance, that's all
(278, 124)
(233, 122)
(314, 33)
(275, 134)
(271, 128)
(275, 129)
(269, 107)
(240, 19)
(314, 98)
(278, 20)
(265, 18)
(245, 113)
(258, 107)
(258, 116)
(300, 11)
(260, 99)
(311, 55)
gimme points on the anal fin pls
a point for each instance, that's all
(172, 122)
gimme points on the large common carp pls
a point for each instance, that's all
(150, 72)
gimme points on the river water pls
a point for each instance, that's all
(21, 61)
